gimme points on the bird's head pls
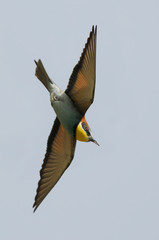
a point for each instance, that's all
(83, 132)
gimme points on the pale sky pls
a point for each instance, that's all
(109, 192)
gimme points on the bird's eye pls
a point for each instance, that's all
(86, 128)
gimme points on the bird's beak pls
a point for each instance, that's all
(93, 140)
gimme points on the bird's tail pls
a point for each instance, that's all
(42, 75)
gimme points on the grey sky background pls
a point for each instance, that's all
(109, 192)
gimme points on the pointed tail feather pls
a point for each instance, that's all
(42, 75)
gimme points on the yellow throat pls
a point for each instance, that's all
(81, 135)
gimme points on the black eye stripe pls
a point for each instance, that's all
(86, 128)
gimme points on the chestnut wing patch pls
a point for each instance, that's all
(59, 154)
(81, 85)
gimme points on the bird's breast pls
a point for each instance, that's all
(66, 112)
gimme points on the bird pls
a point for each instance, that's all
(70, 123)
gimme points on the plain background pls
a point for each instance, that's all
(109, 192)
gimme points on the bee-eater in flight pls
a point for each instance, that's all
(70, 124)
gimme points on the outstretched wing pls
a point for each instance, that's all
(81, 85)
(59, 154)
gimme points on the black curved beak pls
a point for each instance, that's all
(93, 140)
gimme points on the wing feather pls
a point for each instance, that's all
(59, 154)
(81, 84)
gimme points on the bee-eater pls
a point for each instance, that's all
(70, 123)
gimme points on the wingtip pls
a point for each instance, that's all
(94, 29)
(34, 210)
(34, 207)
(36, 62)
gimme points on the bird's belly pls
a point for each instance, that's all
(67, 113)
